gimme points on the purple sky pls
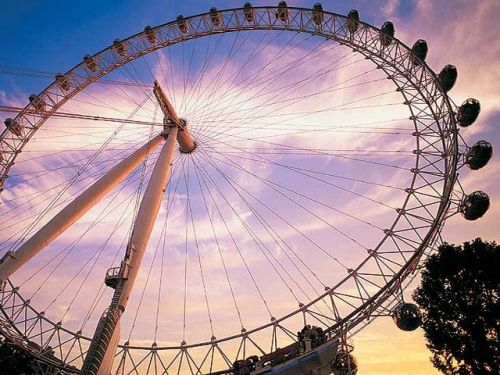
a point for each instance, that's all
(458, 32)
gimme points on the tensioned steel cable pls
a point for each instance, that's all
(291, 87)
(232, 183)
(267, 83)
(205, 179)
(260, 245)
(242, 66)
(78, 116)
(194, 95)
(273, 234)
(223, 262)
(62, 203)
(221, 72)
(19, 71)
(253, 80)
(43, 192)
(117, 253)
(202, 273)
(307, 175)
(70, 183)
(302, 114)
(185, 259)
(150, 269)
(169, 205)
(68, 249)
(315, 151)
(38, 270)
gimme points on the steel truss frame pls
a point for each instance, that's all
(431, 198)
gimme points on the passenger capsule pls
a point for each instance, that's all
(318, 14)
(468, 112)
(240, 367)
(245, 366)
(90, 63)
(14, 127)
(353, 21)
(62, 82)
(478, 155)
(182, 24)
(215, 16)
(447, 77)
(407, 317)
(419, 51)
(150, 34)
(387, 33)
(475, 205)
(253, 359)
(37, 102)
(344, 364)
(248, 12)
(282, 13)
(119, 47)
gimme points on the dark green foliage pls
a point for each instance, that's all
(459, 300)
(13, 360)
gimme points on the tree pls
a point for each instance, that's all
(14, 360)
(458, 296)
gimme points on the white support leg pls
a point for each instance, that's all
(100, 357)
(76, 209)
(148, 211)
(107, 362)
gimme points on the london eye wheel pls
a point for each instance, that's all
(238, 191)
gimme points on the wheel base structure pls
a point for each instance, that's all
(437, 156)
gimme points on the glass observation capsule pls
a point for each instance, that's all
(468, 112)
(407, 317)
(282, 13)
(387, 33)
(245, 366)
(150, 34)
(182, 24)
(215, 16)
(14, 127)
(447, 77)
(90, 63)
(478, 155)
(419, 51)
(475, 205)
(62, 82)
(353, 21)
(344, 364)
(119, 47)
(37, 102)
(318, 14)
(248, 12)
(241, 367)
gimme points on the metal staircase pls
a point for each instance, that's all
(115, 278)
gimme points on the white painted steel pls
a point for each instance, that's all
(148, 210)
(143, 226)
(75, 210)
(107, 362)
(184, 138)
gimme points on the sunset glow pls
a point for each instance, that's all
(304, 157)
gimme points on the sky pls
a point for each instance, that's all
(53, 36)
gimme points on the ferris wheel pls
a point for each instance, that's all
(237, 192)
